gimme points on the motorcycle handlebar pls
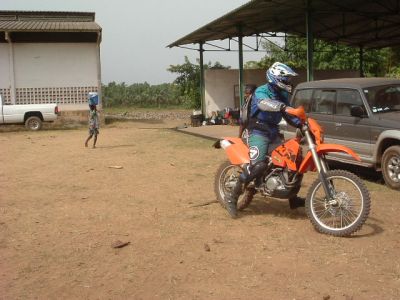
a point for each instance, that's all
(297, 112)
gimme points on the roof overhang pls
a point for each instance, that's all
(42, 21)
(362, 23)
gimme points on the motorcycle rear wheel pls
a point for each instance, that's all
(225, 179)
(350, 211)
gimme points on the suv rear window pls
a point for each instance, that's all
(345, 100)
(383, 98)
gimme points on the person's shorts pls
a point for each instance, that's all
(93, 131)
(258, 147)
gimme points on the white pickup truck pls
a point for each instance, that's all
(32, 115)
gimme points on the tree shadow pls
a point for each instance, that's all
(114, 119)
(280, 208)
(275, 207)
(374, 228)
(116, 146)
(364, 173)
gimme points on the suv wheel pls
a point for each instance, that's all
(391, 167)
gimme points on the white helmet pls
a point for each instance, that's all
(280, 74)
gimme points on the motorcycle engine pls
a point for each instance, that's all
(274, 183)
(280, 183)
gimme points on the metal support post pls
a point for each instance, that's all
(99, 90)
(202, 86)
(361, 53)
(241, 83)
(310, 42)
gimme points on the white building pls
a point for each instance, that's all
(48, 57)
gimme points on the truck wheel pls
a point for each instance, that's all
(391, 167)
(33, 123)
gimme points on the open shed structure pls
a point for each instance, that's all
(48, 57)
(365, 24)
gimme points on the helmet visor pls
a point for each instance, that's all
(285, 79)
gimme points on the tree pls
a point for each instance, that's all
(140, 95)
(327, 56)
(394, 62)
(217, 65)
(188, 81)
(185, 91)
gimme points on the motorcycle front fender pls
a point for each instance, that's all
(308, 162)
(236, 150)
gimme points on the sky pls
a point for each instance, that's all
(136, 32)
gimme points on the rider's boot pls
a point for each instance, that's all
(231, 199)
(249, 173)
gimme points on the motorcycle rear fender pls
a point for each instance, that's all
(237, 151)
(308, 162)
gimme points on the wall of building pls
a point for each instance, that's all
(220, 84)
(55, 65)
(51, 72)
(4, 66)
(220, 87)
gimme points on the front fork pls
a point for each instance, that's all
(322, 169)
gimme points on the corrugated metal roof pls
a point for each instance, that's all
(46, 21)
(367, 23)
(53, 26)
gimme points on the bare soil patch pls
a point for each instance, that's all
(66, 213)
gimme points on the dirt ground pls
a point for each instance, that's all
(62, 207)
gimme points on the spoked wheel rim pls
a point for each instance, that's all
(393, 169)
(229, 177)
(344, 210)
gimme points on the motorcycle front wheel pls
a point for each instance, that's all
(343, 214)
(225, 179)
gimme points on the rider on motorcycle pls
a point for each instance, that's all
(267, 109)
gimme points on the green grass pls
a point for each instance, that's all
(123, 109)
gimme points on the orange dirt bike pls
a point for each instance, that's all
(337, 203)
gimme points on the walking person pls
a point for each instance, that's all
(93, 125)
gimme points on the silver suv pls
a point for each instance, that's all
(360, 113)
